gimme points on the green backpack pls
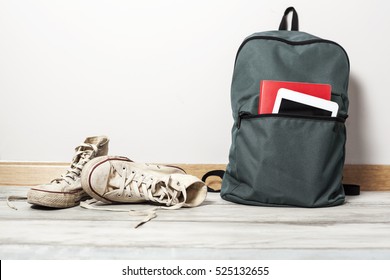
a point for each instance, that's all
(279, 159)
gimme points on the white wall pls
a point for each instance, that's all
(155, 75)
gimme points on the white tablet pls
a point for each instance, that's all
(297, 103)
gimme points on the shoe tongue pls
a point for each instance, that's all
(100, 142)
(159, 190)
(166, 183)
(96, 140)
(83, 148)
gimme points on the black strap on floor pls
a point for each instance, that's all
(294, 22)
(349, 189)
(217, 173)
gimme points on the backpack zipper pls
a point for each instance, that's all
(292, 43)
(247, 115)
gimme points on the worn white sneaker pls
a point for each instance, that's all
(66, 191)
(120, 180)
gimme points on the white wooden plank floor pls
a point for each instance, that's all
(359, 229)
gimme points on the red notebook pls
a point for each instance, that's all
(269, 90)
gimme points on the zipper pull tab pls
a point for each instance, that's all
(242, 115)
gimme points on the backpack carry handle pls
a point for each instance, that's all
(294, 23)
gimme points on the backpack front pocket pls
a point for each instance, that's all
(290, 160)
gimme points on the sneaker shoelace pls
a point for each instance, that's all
(141, 186)
(147, 187)
(84, 152)
(11, 198)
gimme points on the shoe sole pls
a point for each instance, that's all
(55, 199)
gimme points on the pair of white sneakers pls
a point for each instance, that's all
(114, 179)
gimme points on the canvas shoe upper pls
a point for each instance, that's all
(66, 191)
(120, 180)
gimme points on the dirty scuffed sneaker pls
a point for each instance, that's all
(66, 191)
(120, 180)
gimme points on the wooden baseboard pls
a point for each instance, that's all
(35, 173)
(369, 177)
